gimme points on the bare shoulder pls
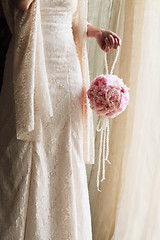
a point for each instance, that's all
(22, 5)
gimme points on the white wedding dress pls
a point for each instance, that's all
(43, 185)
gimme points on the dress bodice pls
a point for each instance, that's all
(56, 22)
(58, 6)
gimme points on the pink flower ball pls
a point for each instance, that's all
(108, 95)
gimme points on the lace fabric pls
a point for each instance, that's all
(43, 183)
(32, 86)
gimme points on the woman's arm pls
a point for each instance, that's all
(22, 5)
(92, 31)
(106, 39)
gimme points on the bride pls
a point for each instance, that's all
(46, 128)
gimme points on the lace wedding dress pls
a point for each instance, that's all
(43, 184)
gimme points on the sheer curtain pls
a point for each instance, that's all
(128, 207)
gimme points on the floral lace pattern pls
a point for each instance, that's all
(43, 184)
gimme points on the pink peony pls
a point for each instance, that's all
(108, 95)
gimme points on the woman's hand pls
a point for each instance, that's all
(106, 39)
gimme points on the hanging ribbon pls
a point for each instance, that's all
(103, 128)
(103, 125)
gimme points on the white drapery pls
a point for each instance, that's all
(128, 206)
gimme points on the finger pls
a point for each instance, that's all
(109, 38)
(118, 39)
(112, 40)
(114, 35)
(116, 43)
(107, 42)
(119, 43)
(107, 48)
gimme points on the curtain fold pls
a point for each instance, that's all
(127, 207)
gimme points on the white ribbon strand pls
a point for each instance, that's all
(114, 62)
(103, 125)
